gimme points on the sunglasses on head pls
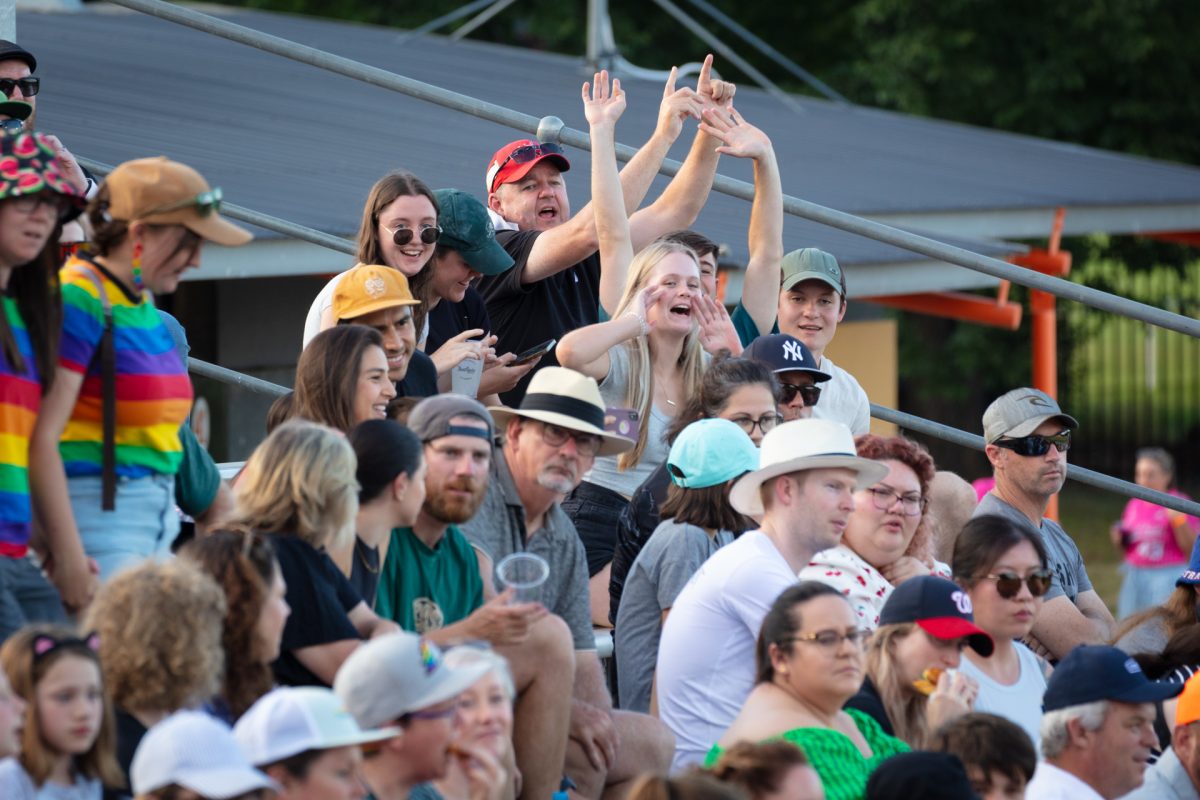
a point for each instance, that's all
(523, 155)
(29, 86)
(205, 203)
(1008, 584)
(1036, 445)
(429, 234)
(809, 394)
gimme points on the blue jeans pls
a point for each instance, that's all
(144, 524)
(26, 596)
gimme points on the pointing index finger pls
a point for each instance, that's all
(705, 78)
(669, 89)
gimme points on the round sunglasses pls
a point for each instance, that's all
(401, 236)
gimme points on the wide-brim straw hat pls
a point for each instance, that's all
(569, 399)
(803, 444)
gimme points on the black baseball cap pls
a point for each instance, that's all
(941, 607)
(1094, 672)
(10, 51)
(782, 353)
(929, 776)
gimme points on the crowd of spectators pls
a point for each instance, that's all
(797, 608)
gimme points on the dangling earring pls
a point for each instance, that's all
(136, 261)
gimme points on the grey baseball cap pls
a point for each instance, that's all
(1018, 413)
(812, 264)
(430, 418)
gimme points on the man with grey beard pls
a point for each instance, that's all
(550, 441)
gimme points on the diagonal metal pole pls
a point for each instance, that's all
(552, 129)
(445, 19)
(779, 58)
(474, 23)
(265, 221)
(728, 54)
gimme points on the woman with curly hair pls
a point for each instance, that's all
(245, 566)
(888, 538)
(159, 627)
(771, 770)
(298, 486)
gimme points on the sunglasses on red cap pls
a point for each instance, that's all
(523, 155)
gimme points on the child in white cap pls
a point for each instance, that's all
(193, 756)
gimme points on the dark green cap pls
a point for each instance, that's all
(813, 264)
(467, 228)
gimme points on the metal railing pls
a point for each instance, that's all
(552, 129)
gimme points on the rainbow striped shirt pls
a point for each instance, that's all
(154, 394)
(20, 397)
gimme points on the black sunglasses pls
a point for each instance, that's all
(809, 394)
(1008, 584)
(401, 236)
(1036, 445)
(29, 86)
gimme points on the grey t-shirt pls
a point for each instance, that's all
(671, 556)
(498, 530)
(1066, 562)
(15, 784)
(613, 389)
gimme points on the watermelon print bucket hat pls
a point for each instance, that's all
(28, 165)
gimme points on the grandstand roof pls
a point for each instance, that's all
(304, 144)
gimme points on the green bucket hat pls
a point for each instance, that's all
(28, 165)
(467, 228)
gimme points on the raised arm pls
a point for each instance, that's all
(603, 106)
(586, 349)
(567, 244)
(760, 287)
(681, 202)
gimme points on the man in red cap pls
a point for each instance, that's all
(558, 283)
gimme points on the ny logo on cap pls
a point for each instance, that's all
(792, 352)
(1132, 667)
(374, 286)
(962, 602)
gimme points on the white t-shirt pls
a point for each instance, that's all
(1021, 702)
(843, 400)
(706, 654)
(1052, 783)
(322, 303)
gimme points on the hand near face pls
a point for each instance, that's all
(904, 568)
(716, 328)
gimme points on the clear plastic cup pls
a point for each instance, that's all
(524, 573)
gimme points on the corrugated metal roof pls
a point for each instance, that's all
(304, 144)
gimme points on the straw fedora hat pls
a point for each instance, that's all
(569, 399)
(800, 445)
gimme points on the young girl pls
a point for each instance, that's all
(698, 520)
(68, 744)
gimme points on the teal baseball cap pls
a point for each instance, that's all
(811, 264)
(467, 228)
(710, 452)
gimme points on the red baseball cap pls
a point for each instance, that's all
(941, 607)
(513, 161)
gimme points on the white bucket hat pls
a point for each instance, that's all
(195, 751)
(569, 399)
(803, 444)
(289, 721)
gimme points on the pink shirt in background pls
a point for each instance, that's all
(1152, 543)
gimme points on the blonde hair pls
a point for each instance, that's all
(905, 706)
(300, 481)
(160, 636)
(468, 656)
(640, 393)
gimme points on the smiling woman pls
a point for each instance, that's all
(121, 392)
(34, 200)
(342, 378)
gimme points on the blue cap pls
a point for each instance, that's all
(1191, 575)
(780, 352)
(1094, 672)
(710, 452)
